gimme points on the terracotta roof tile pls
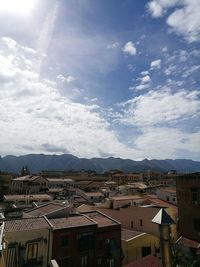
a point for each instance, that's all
(26, 224)
(148, 261)
(70, 222)
(101, 219)
(129, 234)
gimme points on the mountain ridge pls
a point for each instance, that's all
(39, 162)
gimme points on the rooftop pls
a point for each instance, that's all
(126, 197)
(162, 218)
(27, 178)
(188, 242)
(45, 209)
(71, 221)
(93, 194)
(101, 219)
(27, 197)
(169, 190)
(128, 235)
(26, 224)
(61, 180)
(148, 261)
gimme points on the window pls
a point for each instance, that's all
(131, 224)
(141, 222)
(12, 256)
(111, 262)
(99, 261)
(196, 223)
(32, 251)
(64, 262)
(100, 244)
(195, 196)
(85, 241)
(64, 240)
(84, 261)
(146, 251)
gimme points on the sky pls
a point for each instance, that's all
(100, 78)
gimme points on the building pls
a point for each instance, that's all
(86, 240)
(188, 199)
(168, 195)
(136, 245)
(26, 200)
(28, 242)
(29, 184)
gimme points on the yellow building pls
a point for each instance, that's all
(28, 242)
(136, 245)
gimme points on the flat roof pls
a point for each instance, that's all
(70, 222)
(26, 224)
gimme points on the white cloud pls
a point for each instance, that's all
(129, 48)
(141, 87)
(144, 73)
(36, 118)
(67, 79)
(190, 70)
(145, 79)
(113, 45)
(167, 142)
(161, 107)
(184, 20)
(156, 64)
(170, 70)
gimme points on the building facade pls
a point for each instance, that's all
(188, 199)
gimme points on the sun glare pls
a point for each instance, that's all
(17, 6)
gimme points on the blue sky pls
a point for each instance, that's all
(100, 78)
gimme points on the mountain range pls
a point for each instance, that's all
(39, 162)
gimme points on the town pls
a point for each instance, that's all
(114, 219)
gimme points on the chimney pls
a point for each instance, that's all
(164, 221)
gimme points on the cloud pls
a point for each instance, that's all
(184, 20)
(144, 73)
(145, 79)
(157, 8)
(190, 70)
(34, 114)
(130, 49)
(161, 107)
(113, 45)
(67, 79)
(156, 64)
(167, 142)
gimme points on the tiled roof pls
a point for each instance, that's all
(101, 219)
(129, 234)
(27, 178)
(127, 197)
(61, 180)
(93, 194)
(45, 209)
(29, 197)
(188, 242)
(148, 261)
(169, 190)
(70, 222)
(26, 224)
